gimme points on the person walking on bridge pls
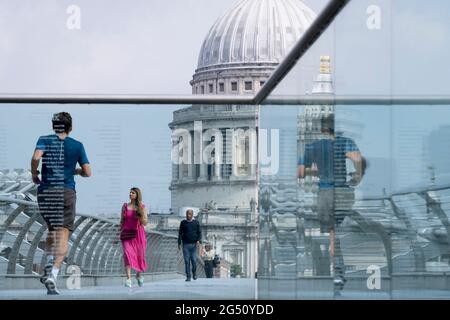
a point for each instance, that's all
(134, 218)
(190, 235)
(208, 255)
(56, 194)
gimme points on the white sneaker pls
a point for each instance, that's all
(128, 283)
(47, 270)
(140, 281)
(50, 284)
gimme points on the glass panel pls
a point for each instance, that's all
(200, 157)
(321, 227)
(380, 48)
(386, 227)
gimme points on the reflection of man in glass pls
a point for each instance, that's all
(327, 159)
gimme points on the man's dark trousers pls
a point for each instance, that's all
(209, 268)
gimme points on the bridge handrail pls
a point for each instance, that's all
(405, 192)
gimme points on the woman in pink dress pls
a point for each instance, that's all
(134, 241)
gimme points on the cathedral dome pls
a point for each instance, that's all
(255, 32)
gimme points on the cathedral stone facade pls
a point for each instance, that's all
(214, 149)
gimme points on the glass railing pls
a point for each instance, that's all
(355, 93)
(336, 185)
(200, 157)
(393, 224)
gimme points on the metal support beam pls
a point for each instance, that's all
(357, 100)
(107, 235)
(84, 255)
(105, 258)
(320, 24)
(436, 208)
(11, 217)
(32, 252)
(76, 243)
(419, 257)
(367, 225)
(87, 99)
(301, 100)
(15, 250)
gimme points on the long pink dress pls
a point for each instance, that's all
(134, 249)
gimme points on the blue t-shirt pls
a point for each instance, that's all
(59, 161)
(329, 156)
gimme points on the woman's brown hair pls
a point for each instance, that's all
(138, 202)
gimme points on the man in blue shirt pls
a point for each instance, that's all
(60, 155)
(326, 159)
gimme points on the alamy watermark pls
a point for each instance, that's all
(73, 282)
(226, 146)
(74, 19)
(374, 280)
(374, 17)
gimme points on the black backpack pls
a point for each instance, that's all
(216, 260)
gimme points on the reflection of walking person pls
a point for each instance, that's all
(134, 242)
(327, 159)
(190, 235)
(56, 192)
(208, 258)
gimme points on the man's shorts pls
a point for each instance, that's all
(333, 205)
(57, 207)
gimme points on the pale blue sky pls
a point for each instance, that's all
(143, 46)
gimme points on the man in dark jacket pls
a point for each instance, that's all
(190, 235)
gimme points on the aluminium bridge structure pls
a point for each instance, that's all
(94, 246)
(404, 236)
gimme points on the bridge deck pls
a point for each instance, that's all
(207, 289)
(177, 289)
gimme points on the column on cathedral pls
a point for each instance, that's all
(190, 162)
(253, 169)
(203, 171)
(199, 146)
(217, 167)
(252, 152)
(174, 160)
(217, 159)
(235, 157)
(180, 159)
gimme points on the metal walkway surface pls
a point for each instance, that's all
(177, 289)
(209, 289)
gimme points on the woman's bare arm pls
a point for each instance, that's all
(144, 218)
